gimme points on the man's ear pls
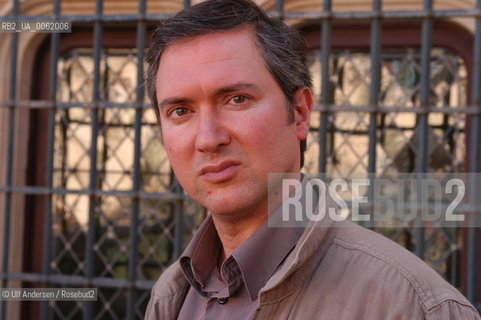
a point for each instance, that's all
(303, 104)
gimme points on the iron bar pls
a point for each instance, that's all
(375, 55)
(422, 121)
(398, 109)
(178, 208)
(48, 220)
(474, 166)
(92, 224)
(280, 9)
(325, 98)
(375, 85)
(154, 18)
(35, 190)
(134, 236)
(384, 15)
(45, 104)
(10, 158)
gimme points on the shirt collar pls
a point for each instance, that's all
(262, 253)
(200, 256)
(258, 257)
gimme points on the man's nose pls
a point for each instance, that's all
(211, 133)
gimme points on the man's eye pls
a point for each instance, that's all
(238, 99)
(179, 112)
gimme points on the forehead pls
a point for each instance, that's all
(222, 55)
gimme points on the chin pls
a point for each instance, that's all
(223, 208)
(237, 209)
(233, 199)
(224, 204)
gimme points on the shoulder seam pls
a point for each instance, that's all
(448, 299)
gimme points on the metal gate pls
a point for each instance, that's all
(100, 206)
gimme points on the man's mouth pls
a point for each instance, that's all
(220, 172)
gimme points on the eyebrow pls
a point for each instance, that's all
(237, 87)
(173, 100)
(223, 90)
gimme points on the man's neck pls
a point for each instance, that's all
(233, 234)
(234, 229)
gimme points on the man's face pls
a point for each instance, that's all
(224, 121)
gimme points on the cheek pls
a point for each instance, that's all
(267, 136)
(173, 148)
(172, 140)
(177, 160)
(167, 142)
(274, 122)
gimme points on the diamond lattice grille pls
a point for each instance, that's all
(397, 136)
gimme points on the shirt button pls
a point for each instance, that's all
(222, 300)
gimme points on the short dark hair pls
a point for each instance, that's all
(283, 47)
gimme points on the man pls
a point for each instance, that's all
(232, 93)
